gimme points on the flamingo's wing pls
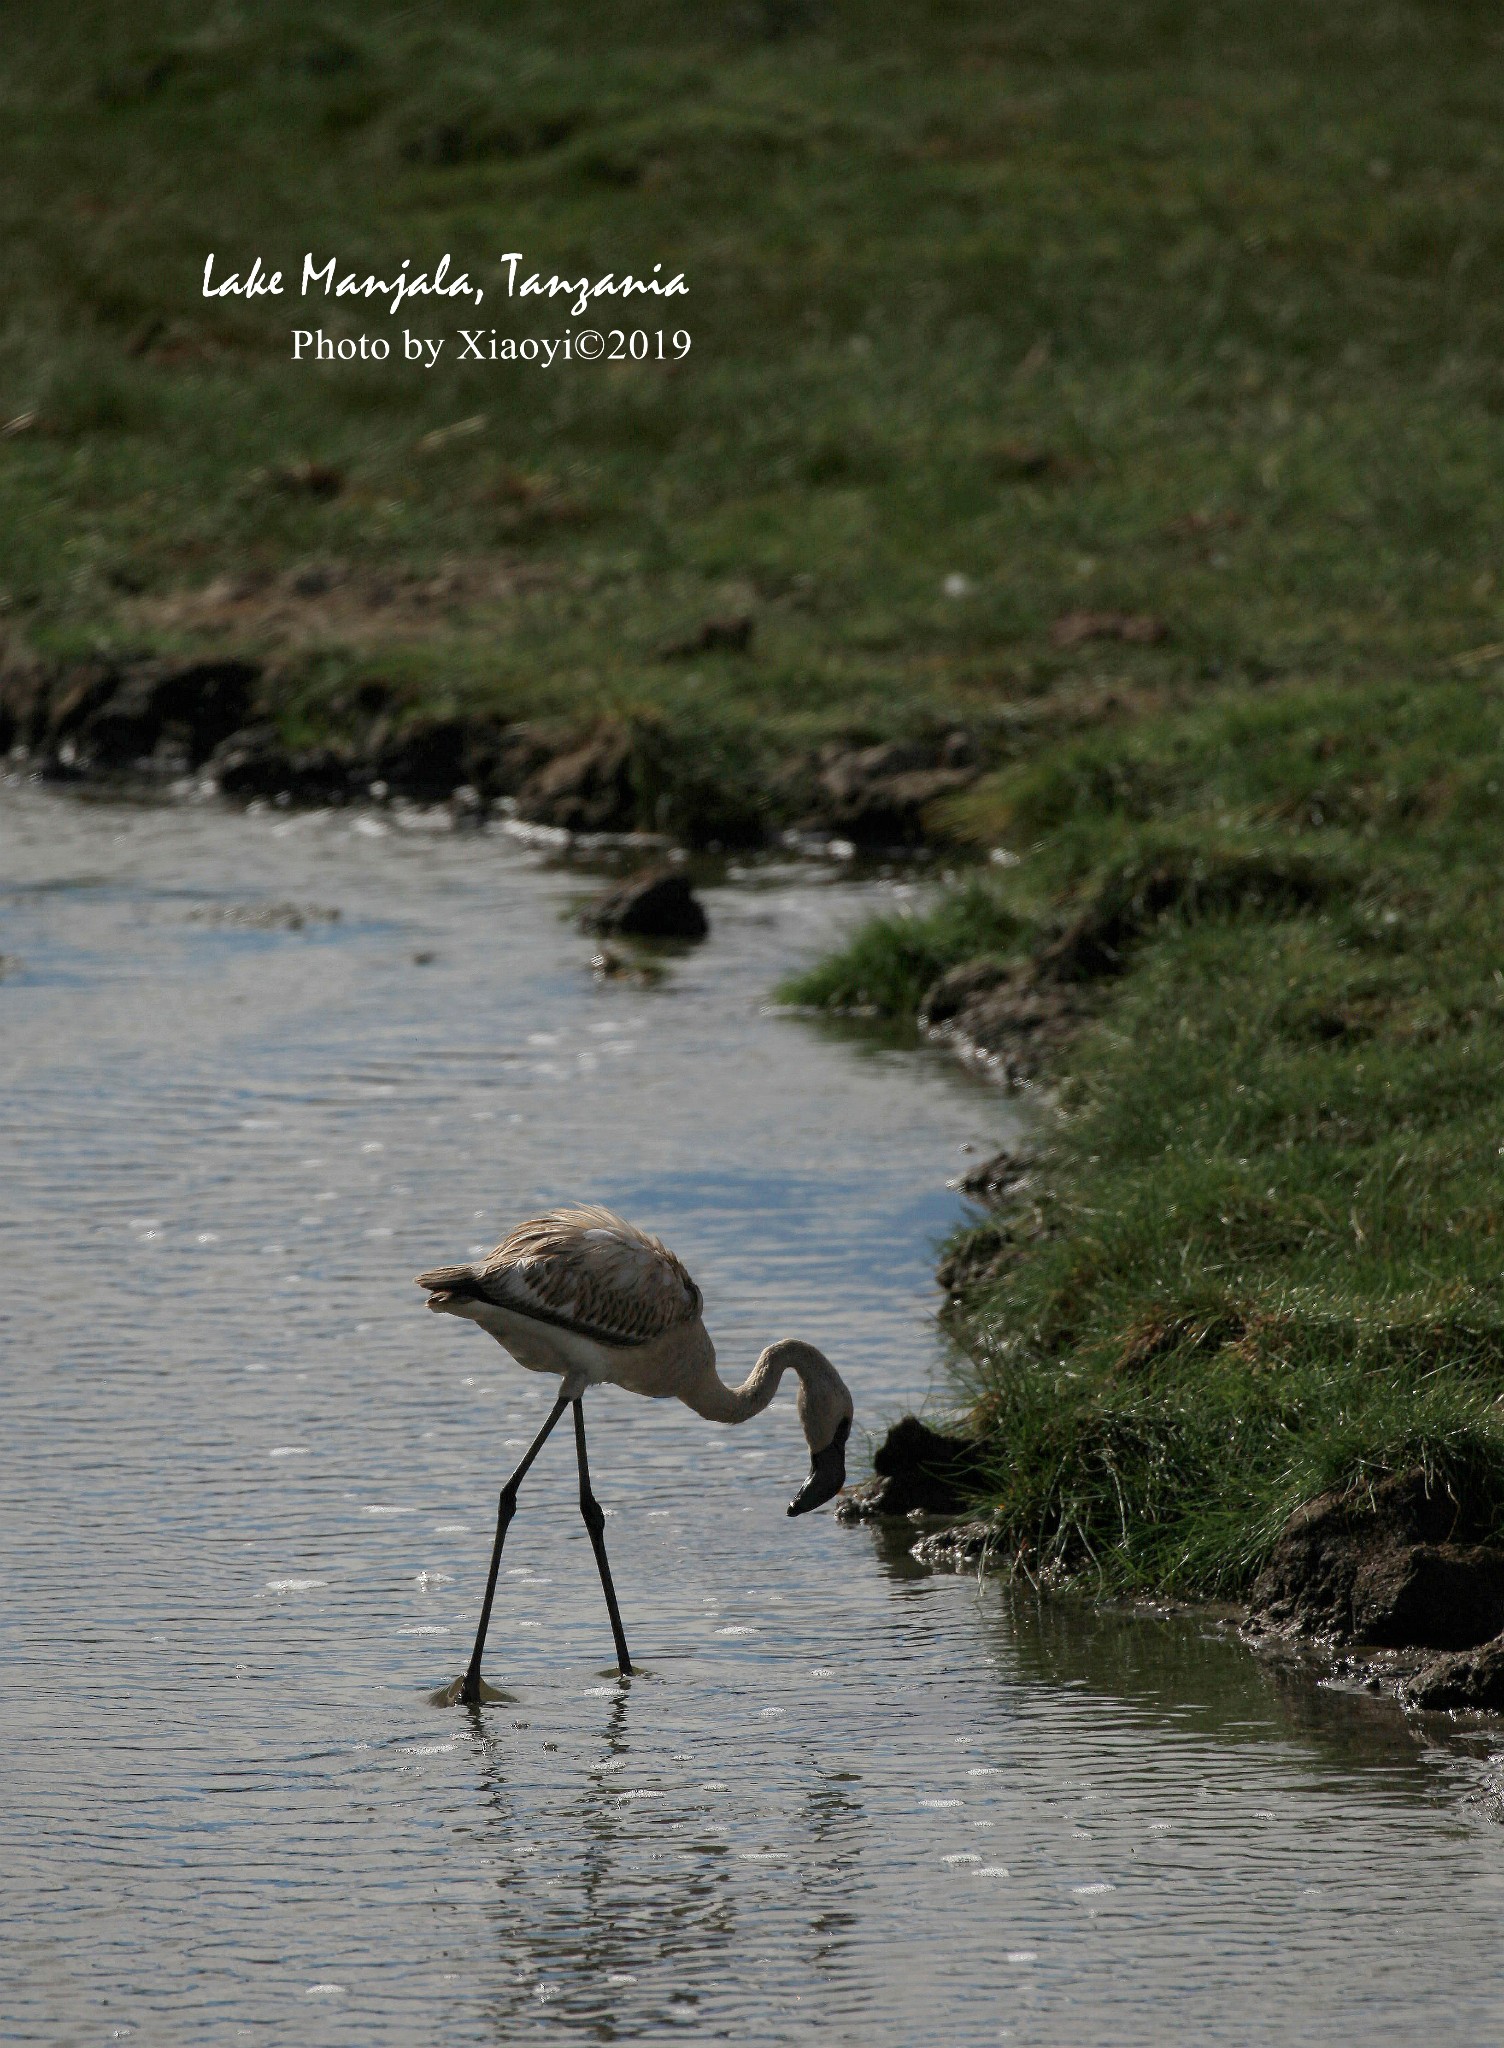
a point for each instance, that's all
(591, 1272)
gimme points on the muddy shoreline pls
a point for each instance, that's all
(1387, 1590)
(222, 726)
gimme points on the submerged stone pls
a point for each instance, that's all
(658, 905)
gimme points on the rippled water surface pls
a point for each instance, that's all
(247, 1486)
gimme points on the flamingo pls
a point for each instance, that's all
(580, 1293)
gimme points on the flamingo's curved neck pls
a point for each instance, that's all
(824, 1399)
(709, 1395)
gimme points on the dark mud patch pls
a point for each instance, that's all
(1385, 1578)
(1405, 1564)
(917, 1470)
(1007, 1019)
(886, 795)
(324, 603)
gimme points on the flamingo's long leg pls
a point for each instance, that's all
(505, 1509)
(595, 1522)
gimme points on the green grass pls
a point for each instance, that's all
(1263, 1258)
(888, 963)
(1232, 268)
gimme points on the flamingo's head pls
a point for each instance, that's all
(827, 1472)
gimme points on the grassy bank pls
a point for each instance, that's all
(1261, 1255)
(1182, 311)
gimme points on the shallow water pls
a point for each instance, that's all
(247, 1496)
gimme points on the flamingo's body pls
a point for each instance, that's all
(580, 1293)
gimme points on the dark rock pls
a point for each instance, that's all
(877, 796)
(252, 763)
(197, 705)
(956, 989)
(918, 1468)
(962, 1548)
(255, 762)
(999, 1181)
(431, 758)
(891, 812)
(1472, 1678)
(660, 905)
(112, 716)
(1392, 1567)
(425, 759)
(731, 635)
(589, 789)
(499, 761)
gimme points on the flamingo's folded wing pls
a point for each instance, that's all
(589, 1271)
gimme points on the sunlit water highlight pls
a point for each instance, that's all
(247, 1497)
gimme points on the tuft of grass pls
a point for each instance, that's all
(889, 962)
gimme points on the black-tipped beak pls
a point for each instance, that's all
(827, 1474)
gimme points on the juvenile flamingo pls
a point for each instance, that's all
(580, 1293)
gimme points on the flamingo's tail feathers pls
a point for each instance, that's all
(449, 1280)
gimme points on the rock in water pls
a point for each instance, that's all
(660, 905)
(1472, 1678)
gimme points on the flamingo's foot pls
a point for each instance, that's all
(458, 1694)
